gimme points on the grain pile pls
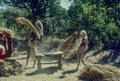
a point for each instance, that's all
(97, 72)
(10, 67)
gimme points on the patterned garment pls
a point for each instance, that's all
(81, 50)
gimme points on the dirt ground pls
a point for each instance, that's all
(49, 72)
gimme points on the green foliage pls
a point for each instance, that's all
(97, 17)
(8, 20)
(100, 25)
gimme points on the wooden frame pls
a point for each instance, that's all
(57, 55)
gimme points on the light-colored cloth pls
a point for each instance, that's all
(2, 52)
(2, 49)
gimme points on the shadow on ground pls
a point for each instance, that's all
(67, 72)
(49, 70)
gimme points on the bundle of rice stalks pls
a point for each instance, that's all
(10, 67)
(6, 32)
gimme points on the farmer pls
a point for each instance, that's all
(82, 48)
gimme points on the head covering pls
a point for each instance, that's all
(83, 33)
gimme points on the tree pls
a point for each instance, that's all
(52, 15)
(114, 6)
(41, 8)
(97, 21)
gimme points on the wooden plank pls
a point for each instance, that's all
(49, 63)
(54, 53)
(39, 63)
(60, 62)
(40, 55)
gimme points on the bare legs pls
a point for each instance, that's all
(30, 51)
(79, 60)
